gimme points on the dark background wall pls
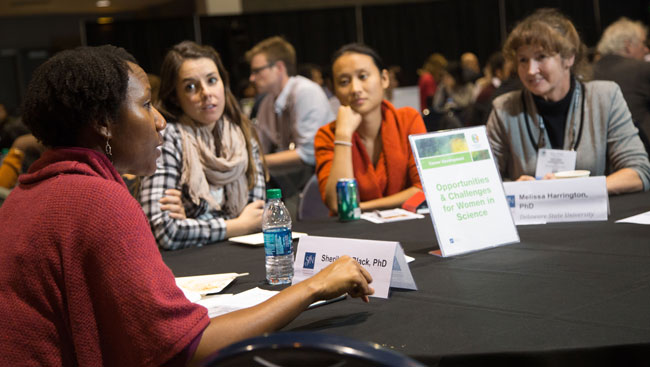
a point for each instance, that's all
(417, 30)
(404, 33)
(25, 42)
(315, 34)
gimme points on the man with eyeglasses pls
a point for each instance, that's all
(623, 47)
(292, 110)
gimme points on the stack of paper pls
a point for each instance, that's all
(390, 215)
(225, 303)
(205, 284)
(200, 290)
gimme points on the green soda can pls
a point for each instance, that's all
(347, 194)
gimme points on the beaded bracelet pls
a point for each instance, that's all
(341, 142)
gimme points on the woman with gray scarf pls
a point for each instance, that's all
(210, 181)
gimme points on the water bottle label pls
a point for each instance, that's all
(277, 241)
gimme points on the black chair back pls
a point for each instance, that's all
(307, 349)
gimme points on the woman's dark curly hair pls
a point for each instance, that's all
(74, 88)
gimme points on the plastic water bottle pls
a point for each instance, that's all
(276, 225)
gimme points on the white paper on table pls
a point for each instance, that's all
(257, 239)
(191, 296)
(213, 304)
(221, 304)
(643, 218)
(390, 215)
(205, 284)
(228, 303)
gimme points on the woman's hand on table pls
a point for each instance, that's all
(173, 203)
(347, 122)
(548, 176)
(248, 221)
(251, 215)
(525, 178)
(345, 275)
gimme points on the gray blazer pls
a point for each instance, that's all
(608, 141)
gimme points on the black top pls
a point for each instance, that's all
(554, 115)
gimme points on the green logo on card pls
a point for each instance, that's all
(446, 160)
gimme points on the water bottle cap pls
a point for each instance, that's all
(274, 193)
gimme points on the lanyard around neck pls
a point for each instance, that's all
(542, 128)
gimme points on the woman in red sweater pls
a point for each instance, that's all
(80, 272)
(369, 139)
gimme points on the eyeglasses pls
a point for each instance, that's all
(258, 70)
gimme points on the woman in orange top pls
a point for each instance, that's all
(369, 139)
(24, 146)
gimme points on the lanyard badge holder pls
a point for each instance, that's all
(554, 160)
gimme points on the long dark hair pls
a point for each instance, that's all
(169, 106)
(359, 48)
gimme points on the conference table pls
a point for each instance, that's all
(568, 293)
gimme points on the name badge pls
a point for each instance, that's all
(384, 260)
(561, 200)
(554, 160)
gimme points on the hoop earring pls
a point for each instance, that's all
(108, 150)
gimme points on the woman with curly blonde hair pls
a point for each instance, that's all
(557, 109)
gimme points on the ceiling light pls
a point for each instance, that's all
(103, 3)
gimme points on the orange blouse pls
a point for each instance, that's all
(10, 168)
(395, 170)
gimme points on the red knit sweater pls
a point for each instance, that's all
(81, 278)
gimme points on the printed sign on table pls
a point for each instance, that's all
(384, 260)
(562, 200)
(464, 191)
